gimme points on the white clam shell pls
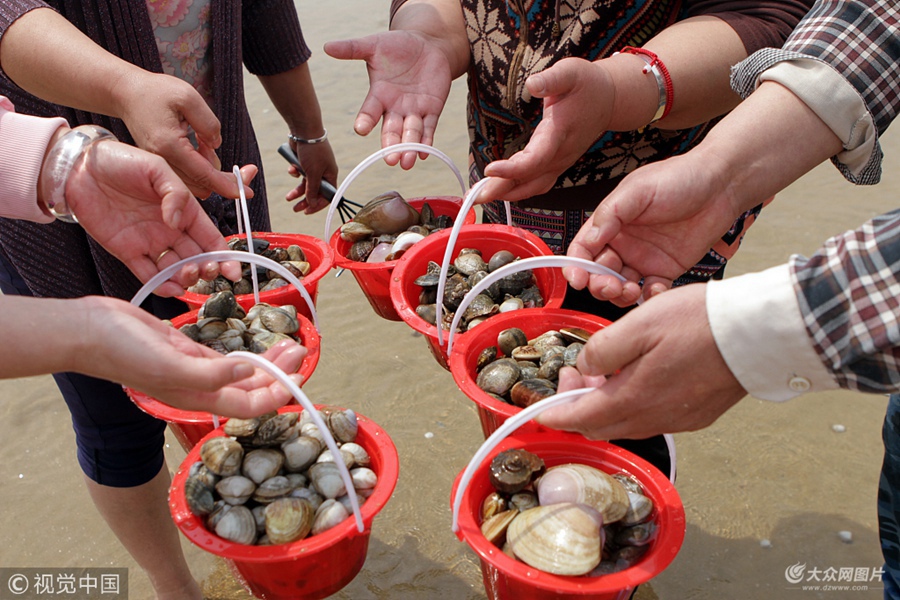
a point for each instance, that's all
(361, 458)
(329, 514)
(237, 525)
(262, 464)
(236, 489)
(363, 478)
(301, 452)
(326, 479)
(583, 484)
(563, 539)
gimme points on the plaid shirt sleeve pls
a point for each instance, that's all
(849, 296)
(858, 39)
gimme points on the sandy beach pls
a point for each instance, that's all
(766, 487)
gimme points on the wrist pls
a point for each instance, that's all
(64, 154)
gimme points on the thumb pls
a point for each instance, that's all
(559, 79)
(609, 350)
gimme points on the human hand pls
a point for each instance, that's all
(161, 112)
(657, 224)
(130, 346)
(136, 207)
(578, 102)
(668, 373)
(409, 81)
(318, 163)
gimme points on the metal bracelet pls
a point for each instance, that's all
(59, 163)
(301, 140)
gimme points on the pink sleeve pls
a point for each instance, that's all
(23, 143)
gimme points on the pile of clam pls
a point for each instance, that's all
(387, 226)
(272, 480)
(516, 290)
(570, 519)
(223, 325)
(292, 258)
(520, 371)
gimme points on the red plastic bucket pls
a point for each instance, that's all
(188, 426)
(318, 254)
(487, 238)
(508, 579)
(375, 278)
(314, 567)
(466, 348)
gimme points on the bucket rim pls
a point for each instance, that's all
(462, 346)
(664, 548)
(310, 339)
(340, 261)
(401, 271)
(194, 530)
(194, 299)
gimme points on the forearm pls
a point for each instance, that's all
(441, 21)
(780, 140)
(294, 96)
(44, 335)
(69, 69)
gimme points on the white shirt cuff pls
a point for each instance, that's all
(757, 324)
(841, 108)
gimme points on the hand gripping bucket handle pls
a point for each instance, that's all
(222, 255)
(468, 202)
(513, 423)
(374, 157)
(514, 267)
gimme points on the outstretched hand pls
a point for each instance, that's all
(409, 81)
(136, 207)
(668, 373)
(657, 224)
(132, 347)
(566, 130)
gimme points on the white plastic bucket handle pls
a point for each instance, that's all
(374, 157)
(513, 423)
(244, 212)
(521, 265)
(223, 255)
(282, 377)
(468, 202)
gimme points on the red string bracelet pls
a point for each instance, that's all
(663, 80)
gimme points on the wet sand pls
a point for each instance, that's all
(762, 472)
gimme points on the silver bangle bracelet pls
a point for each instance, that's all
(59, 163)
(301, 140)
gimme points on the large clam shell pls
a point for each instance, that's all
(222, 456)
(236, 489)
(261, 464)
(583, 484)
(300, 453)
(387, 213)
(563, 539)
(237, 525)
(288, 520)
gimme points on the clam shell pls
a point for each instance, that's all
(236, 489)
(361, 458)
(387, 213)
(498, 377)
(563, 539)
(237, 525)
(326, 479)
(495, 527)
(288, 520)
(261, 464)
(329, 514)
(198, 495)
(363, 478)
(241, 427)
(222, 456)
(276, 430)
(343, 425)
(583, 484)
(272, 489)
(300, 453)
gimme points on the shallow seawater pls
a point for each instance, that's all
(763, 473)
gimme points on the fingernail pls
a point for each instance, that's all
(176, 220)
(592, 235)
(537, 84)
(242, 371)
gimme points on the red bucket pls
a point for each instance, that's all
(319, 256)
(315, 567)
(188, 426)
(533, 321)
(508, 579)
(487, 238)
(375, 278)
